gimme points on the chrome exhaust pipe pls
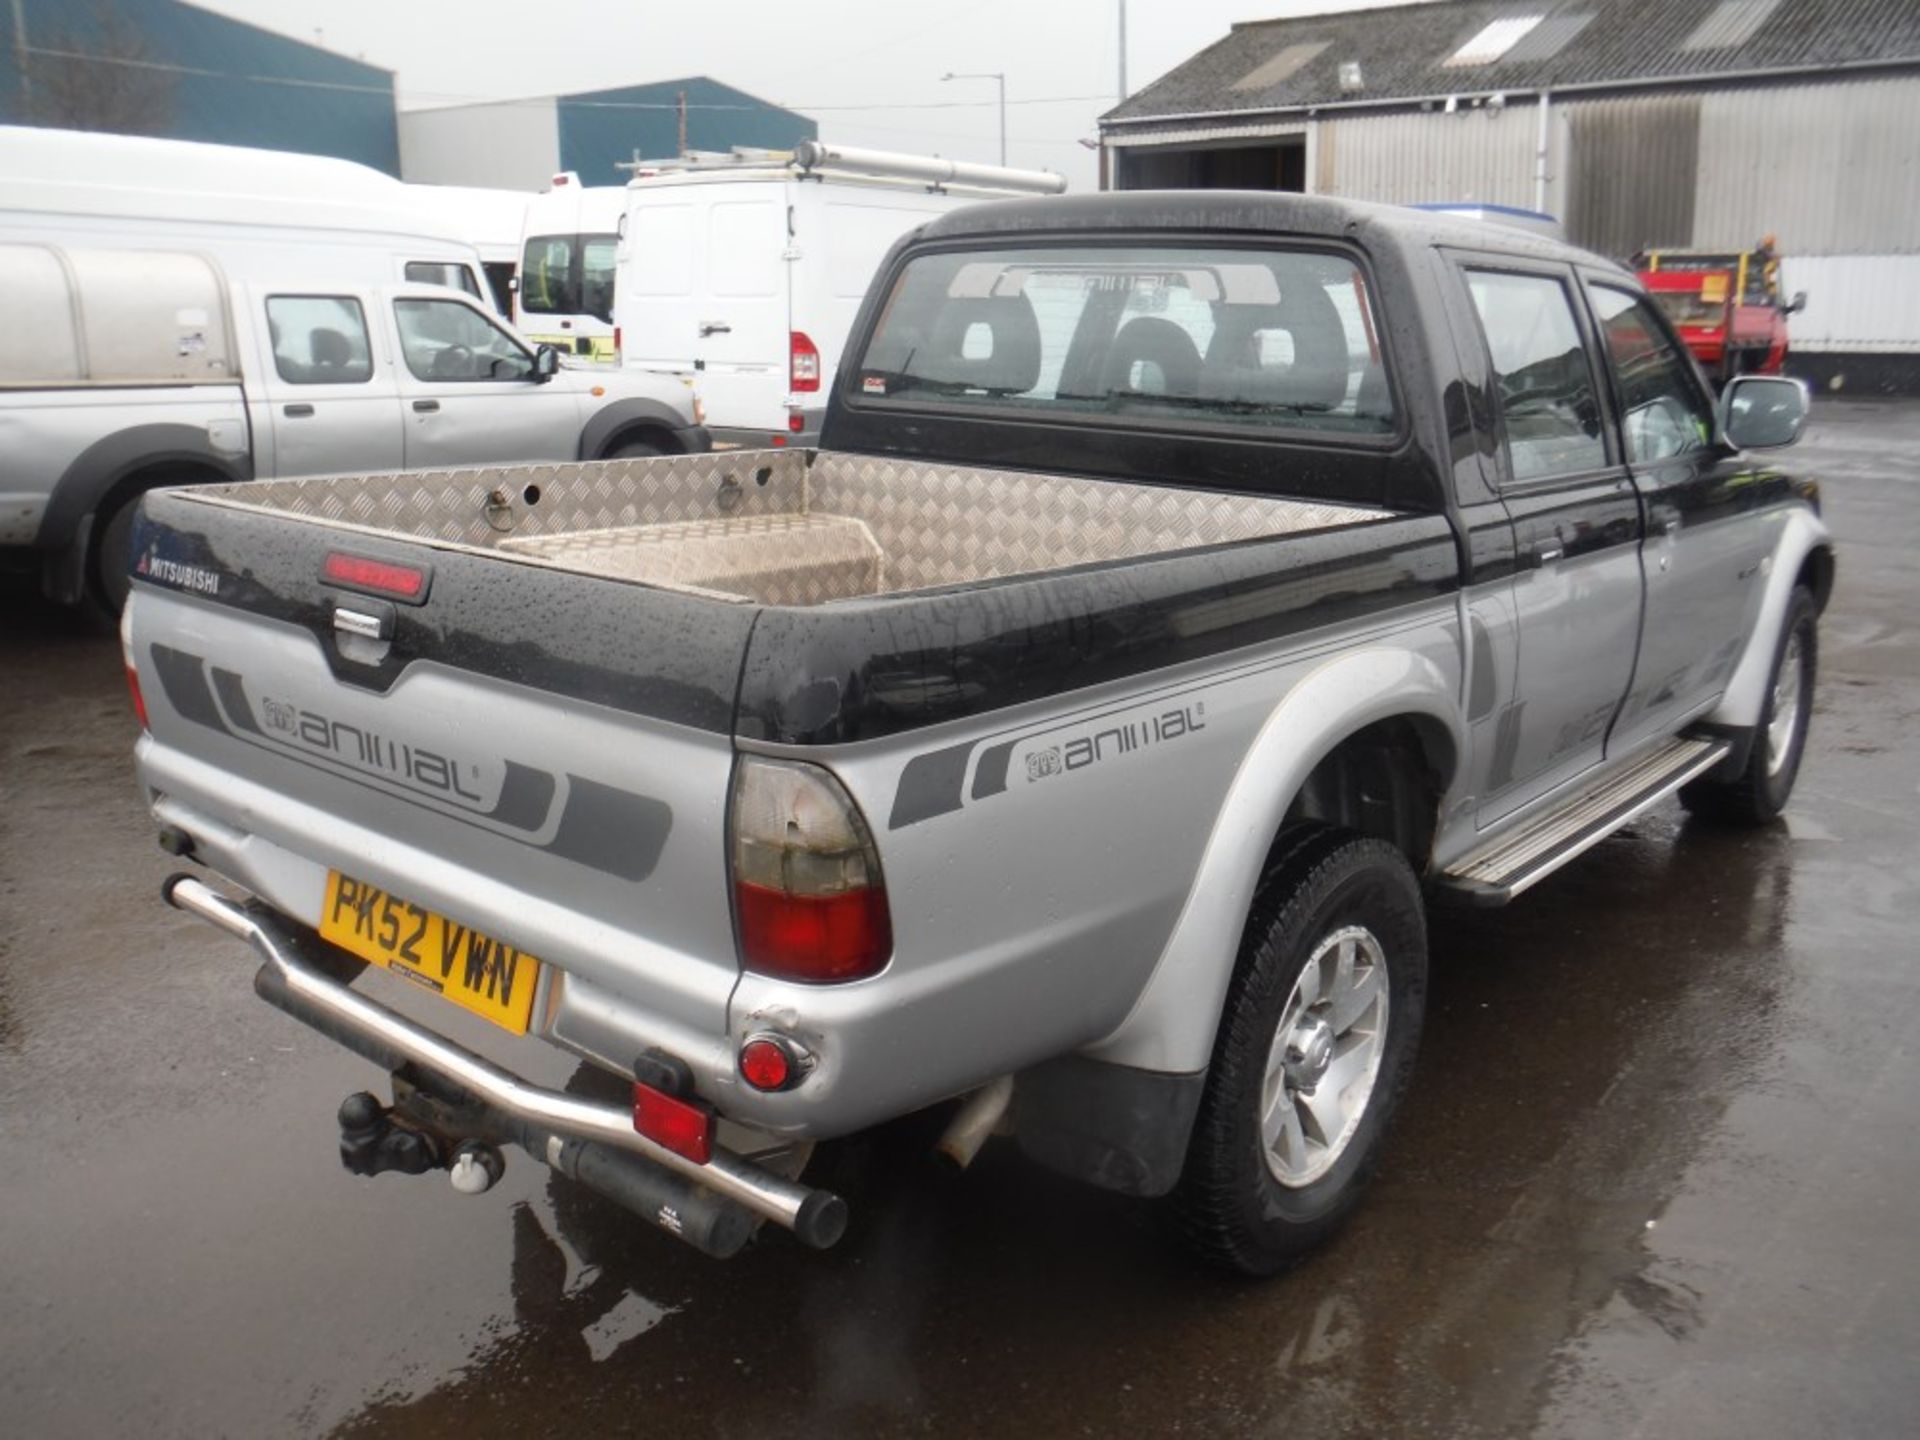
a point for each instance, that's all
(817, 1217)
(979, 1115)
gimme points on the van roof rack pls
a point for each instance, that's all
(814, 159)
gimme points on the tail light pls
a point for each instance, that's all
(133, 675)
(796, 422)
(807, 889)
(803, 367)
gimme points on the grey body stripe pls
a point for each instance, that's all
(609, 829)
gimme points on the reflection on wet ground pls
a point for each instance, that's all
(1654, 1177)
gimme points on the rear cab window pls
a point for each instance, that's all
(319, 339)
(1238, 338)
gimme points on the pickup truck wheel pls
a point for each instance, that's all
(633, 450)
(1315, 1049)
(1760, 791)
(107, 582)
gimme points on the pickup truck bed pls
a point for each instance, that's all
(787, 527)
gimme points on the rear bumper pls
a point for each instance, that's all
(369, 1028)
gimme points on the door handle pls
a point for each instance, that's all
(296, 412)
(1548, 555)
(426, 407)
(714, 327)
(1671, 525)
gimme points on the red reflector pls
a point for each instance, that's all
(681, 1125)
(765, 1065)
(778, 440)
(796, 424)
(814, 938)
(616, 337)
(139, 701)
(403, 582)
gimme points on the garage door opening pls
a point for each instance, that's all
(1264, 165)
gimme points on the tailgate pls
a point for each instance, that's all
(537, 755)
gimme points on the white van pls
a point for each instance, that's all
(564, 295)
(492, 221)
(744, 271)
(260, 213)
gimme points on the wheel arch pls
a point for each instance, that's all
(1803, 554)
(110, 473)
(630, 419)
(1381, 701)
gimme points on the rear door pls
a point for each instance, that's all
(711, 296)
(468, 392)
(1576, 526)
(327, 388)
(1703, 552)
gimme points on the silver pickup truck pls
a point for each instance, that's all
(124, 370)
(1188, 589)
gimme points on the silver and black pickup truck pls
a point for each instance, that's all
(1188, 591)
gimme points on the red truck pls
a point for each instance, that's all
(1727, 306)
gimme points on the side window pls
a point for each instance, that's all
(1663, 413)
(444, 272)
(546, 276)
(319, 339)
(446, 340)
(1546, 381)
(599, 255)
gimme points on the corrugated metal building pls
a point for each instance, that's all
(522, 144)
(158, 67)
(1642, 123)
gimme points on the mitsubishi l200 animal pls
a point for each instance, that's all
(1187, 588)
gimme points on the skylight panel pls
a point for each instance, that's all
(1548, 38)
(1730, 23)
(1283, 66)
(1492, 42)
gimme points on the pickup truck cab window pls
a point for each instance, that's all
(1662, 412)
(1545, 378)
(1234, 337)
(319, 339)
(448, 340)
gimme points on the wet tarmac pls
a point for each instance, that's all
(1657, 1177)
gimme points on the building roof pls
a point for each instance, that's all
(1410, 52)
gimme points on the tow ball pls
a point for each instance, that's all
(373, 1141)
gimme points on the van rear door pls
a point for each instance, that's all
(709, 296)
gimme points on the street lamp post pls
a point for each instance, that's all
(999, 77)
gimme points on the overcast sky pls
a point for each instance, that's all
(869, 72)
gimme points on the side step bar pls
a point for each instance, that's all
(1510, 864)
(816, 1217)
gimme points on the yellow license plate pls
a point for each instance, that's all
(485, 975)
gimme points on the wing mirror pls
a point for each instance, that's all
(546, 364)
(1798, 303)
(1764, 412)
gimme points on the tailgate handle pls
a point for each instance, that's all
(426, 407)
(296, 412)
(714, 327)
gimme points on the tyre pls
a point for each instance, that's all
(1315, 1048)
(633, 450)
(107, 582)
(1760, 791)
